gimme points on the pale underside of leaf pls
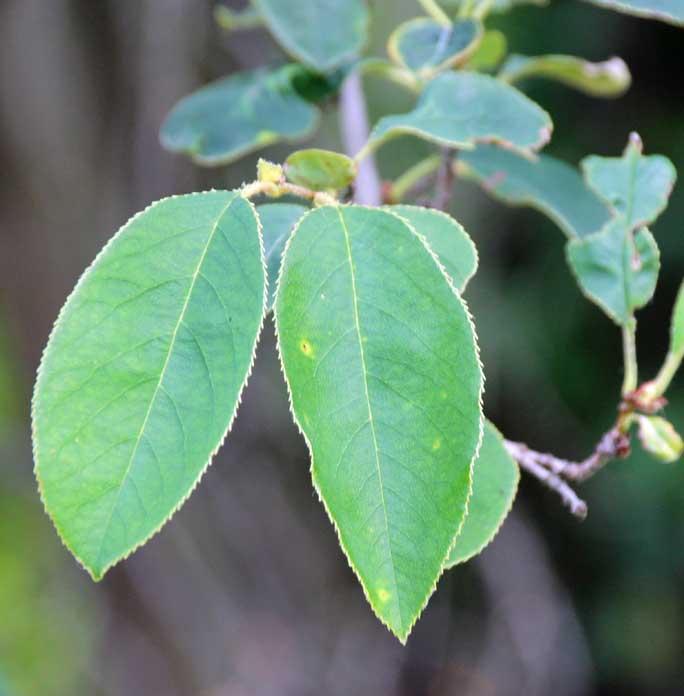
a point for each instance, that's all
(386, 392)
(143, 372)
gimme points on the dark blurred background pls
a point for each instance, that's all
(246, 591)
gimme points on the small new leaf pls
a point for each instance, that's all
(142, 375)
(659, 438)
(381, 361)
(611, 78)
(495, 484)
(320, 170)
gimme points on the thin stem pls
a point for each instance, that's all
(662, 381)
(631, 378)
(275, 190)
(436, 12)
(445, 181)
(413, 177)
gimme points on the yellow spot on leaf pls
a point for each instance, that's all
(436, 444)
(383, 595)
(306, 348)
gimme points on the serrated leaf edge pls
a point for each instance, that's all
(34, 400)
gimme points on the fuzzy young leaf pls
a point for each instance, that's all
(490, 51)
(320, 169)
(382, 366)
(670, 11)
(322, 34)
(659, 438)
(143, 372)
(637, 187)
(277, 222)
(495, 484)
(448, 240)
(616, 268)
(424, 46)
(239, 114)
(610, 78)
(547, 184)
(462, 109)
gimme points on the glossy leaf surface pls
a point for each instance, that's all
(144, 369)
(322, 34)
(462, 109)
(495, 483)
(448, 240)
(547, 184)
(385, 383)
(611, 78)
(238, 114)
(424, 45)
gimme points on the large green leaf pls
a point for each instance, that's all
(142, 375)
(448, 240)
(495, 483)
(423, 45)
(462, 109)
(637, 187)
(323, 34)
(382, 366)
(277, 222)
(616, 268)
(239, 114)
(611, 78)
(547, 184)
(671, 11)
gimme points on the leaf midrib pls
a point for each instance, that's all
(162, 374)
(370, 410)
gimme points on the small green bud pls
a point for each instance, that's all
(659, 438)
(268, 172)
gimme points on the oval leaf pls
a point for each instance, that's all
(426, 46)
(236, 115)
(323, 34)
(277, 222)
(385, 382)
(462, 109)
(320, 169)
(611, 78)
(448, 240)
(670, 11)
(659, 438)
(495, 483)
(547, 184)
(143, 372)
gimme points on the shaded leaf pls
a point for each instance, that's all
(671, 11)
(462, 109)
(616, 268)
(636, 187)
(322, 34)
(659, 438)
(384, 377)
(143, 372)
(495, 484)
(547, 184)
(238, 114)
(277, 222)
(426, 46)
(320, 170)
(448, 240)
(611, 78)
(490, 51)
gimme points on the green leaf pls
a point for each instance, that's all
(635, 186)
(277, 222)
(448, 240)
(426, 46)
(238, 114)
(671, 11)
(237, 20)
(143, 372)
(490, 52)
(322, 34)
(499, 6)
(616, 268)
(659, 438)
(611, 78)
(495, 484)
(381, 361)
(677, 325)
(320, 170)
(547, 184)
(462, 109)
